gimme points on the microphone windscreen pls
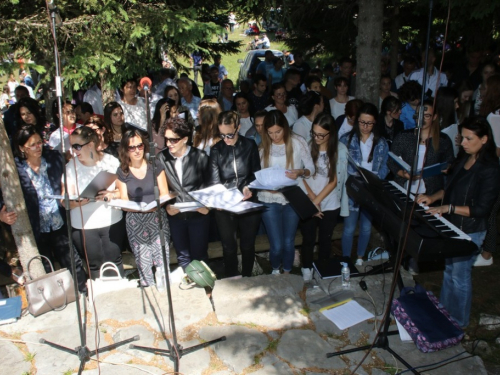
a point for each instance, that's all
(145, 81)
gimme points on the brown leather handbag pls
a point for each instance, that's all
(52, 291)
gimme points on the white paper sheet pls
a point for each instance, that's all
(348, 314)
(187, 206)
(273, 178)
(403, 333)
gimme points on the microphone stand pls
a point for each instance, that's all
(381, 340)
(174, 351)
(82, 352)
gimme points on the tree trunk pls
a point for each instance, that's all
(395, 39)
(108, 94)
(368, 50)
(14, 200)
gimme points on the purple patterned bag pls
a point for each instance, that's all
(427, 322)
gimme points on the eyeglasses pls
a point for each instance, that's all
(319, 136)
(78, 147)
(366, 124)
(139, 147)
(229, 136)
(39, 144)
(174, 141)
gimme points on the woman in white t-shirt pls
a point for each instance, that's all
(134, 107)
(326, 189)
(280, 102)
(242, 106)
(310, 104)
(98, 230)
(281, 148)
(337, 104)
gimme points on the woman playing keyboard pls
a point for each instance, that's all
(466, 200)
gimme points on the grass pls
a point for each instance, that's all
(28, 357)
(272, 346)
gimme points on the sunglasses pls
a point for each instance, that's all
(139, 147)
(78, 147)
(174, 141)
(228, 136)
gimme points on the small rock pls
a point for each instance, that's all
(490, 322)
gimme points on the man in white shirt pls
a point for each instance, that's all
(93, 96)
(188, 99)
(432, 83)
(409, 64)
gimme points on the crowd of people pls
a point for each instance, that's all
(319, 133)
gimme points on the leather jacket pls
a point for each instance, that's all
(194, 173)
(235, 165)
(477, 188)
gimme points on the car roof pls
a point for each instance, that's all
(262, 52)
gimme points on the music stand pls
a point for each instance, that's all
(82, 352)
(174, 351)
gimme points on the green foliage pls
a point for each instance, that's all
(111, 40)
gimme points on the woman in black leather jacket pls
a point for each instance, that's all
(233, 162)
(187, 170)
(467, 199)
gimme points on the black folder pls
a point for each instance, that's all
(327, 269)
(299, 201)
(101, 181)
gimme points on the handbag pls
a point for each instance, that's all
(105, 284)
(52, 291)
(424, 318)
(378, 254)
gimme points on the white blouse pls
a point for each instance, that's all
(291, 113)
(277, 158)
(338, 109)
(135, 114)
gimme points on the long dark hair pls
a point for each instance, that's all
(34, 108)
(326, 121)
(277, 86)
(170, 88)
(445, 106)
(110, 107)
(480, 127)
(276, 117)
(157, 116)
(180, 127)
(308, 101)
(366, 109)
(491, 100)
(124, 143)
(21, 137)
(99, 122)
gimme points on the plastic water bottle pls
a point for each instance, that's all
(346, 276)
(160, 278)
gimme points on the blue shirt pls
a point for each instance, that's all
(50, 217)
(406, 117)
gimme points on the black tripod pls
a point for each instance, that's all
(81, 351)
(174, 351)
(381, 340)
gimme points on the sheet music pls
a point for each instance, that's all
(273, 178)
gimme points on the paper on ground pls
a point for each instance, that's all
(403, 333)
(348, 314)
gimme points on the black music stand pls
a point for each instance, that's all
(174, 351)
(82, 352)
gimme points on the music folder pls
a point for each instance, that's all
(299, 201)
(101, 181)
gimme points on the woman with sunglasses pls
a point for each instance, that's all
(135, 183)
(279, 102)
(107, 144)
(369, 151)
(233, 162)
(40, 170)
(115, 120)
(98, 230)
(281, 148)
(326, 189)
(187, 170)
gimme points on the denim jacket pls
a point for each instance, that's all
(380, 155)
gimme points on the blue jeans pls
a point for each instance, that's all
(281, 223)
(456, 292)
(365, 230)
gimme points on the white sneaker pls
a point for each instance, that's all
(307, 274)
(276, 272)
(481, 262)
(359, 262)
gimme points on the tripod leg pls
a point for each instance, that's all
(201, 346)
(82, 366)
(57, 346)
(115, 345)
(361, 348)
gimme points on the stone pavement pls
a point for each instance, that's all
(271, 324)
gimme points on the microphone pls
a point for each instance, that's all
(145, 83)
(53, 8)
